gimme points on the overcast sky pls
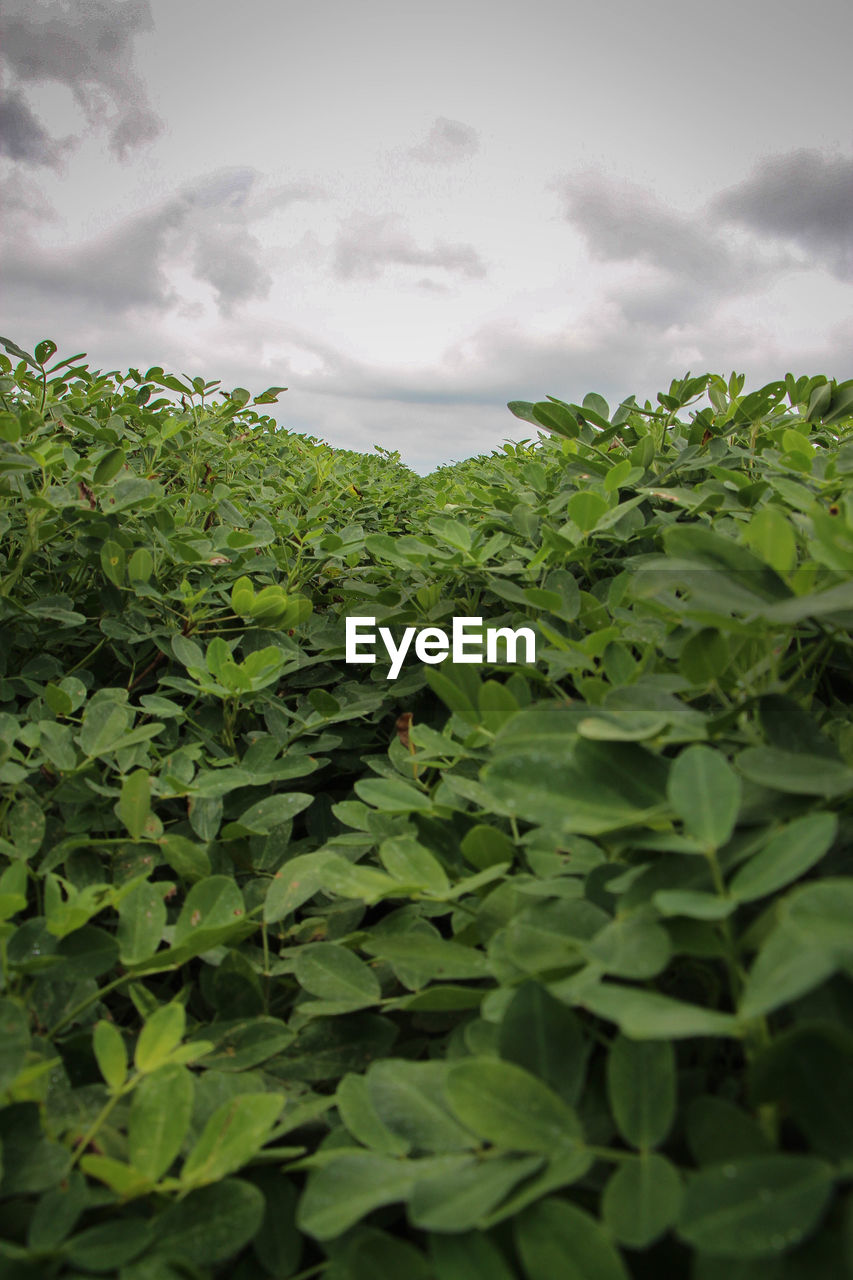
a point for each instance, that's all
(411, 213)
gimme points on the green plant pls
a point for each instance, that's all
(500, 971)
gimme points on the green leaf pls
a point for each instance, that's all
(755, 1207)
(631, 946)
(87, 953)
(795, 772)
(278, 1245)
(110, 1053)
(347, 880)
(134, 805)
(554, 417)
(56, 1213)
(241, 1043)
(451, 531)
(409, 862)
(642, 1200)
(210, 904)
(807, 1072)
(469, 1256)
(351, 1186)
(648, 1015)
(334, 973)
(693, 903)
(31, 1162)
(118, 1176)
(160, 1116)
(104, 724)
(770, 535)
(265, 815)
(360, 1116)
(811, 940)
(743, 578)
(391, 795)
(545, 1037)
(58, 700)
(508, 1106)
(205, 814)
(458, 1198)
(818, 604)
(242, 597)
(232, 1136)
(544, 773)
(109, 466)
(140, 566)
(10, 428)
(409, 1099)
(26, 825)
(556, 1238)
(787, 966)
(618, 475)
(298, 880)
(162, 1033)
(14, 1041)
(718, 1130)
(705, 793)
(787, 855)
(704, 656)
(485, 846)
(641, 1088)
(109, 1245)
(186, 858)
(113, 561)
(369, 1253)
(586, 509)
(430, 957)
(210, 1224)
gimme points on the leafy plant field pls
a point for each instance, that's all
(534, 971)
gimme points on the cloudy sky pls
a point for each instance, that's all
(411, 213)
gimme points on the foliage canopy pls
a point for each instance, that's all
(511, 971)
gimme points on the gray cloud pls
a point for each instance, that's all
(694, 263)
(229, 260)
(446, 142)
(116, 272)
(803, 196)
(22, 136)
(623, 222)
(231, 192)
(86, 47)
(370, 243)
(206, 224)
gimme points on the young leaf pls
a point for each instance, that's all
(110, 1053)
(162, 1033)
(159, 1119)
(234, 1133)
